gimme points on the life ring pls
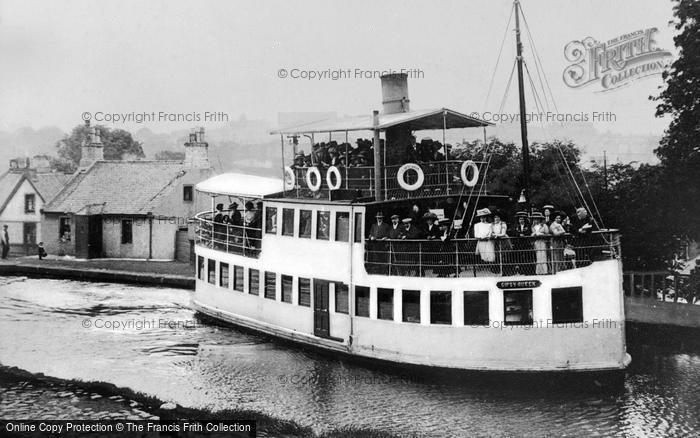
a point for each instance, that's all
(289, 178)
(402, 172)
(475, 173)
(338, 178)
(313, 171)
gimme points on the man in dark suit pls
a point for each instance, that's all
(396, 228)
(432, 230)
(5, 242)
(410, 232)
(379, 230)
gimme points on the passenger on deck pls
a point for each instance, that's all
(379, 230)
(557, 230)
(539, 228)
(548, 211)
(582, 223)
(432, 229)
(219, 215)
(522, 228)
(235, 218)
(446, 264)
(249, 214)
(396, 228)
(410, 232)
(483, 233)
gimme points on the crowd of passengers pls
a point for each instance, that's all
(362, 154)
(553, 251)
(246, 227)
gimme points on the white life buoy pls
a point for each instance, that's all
(289, 178)
(402, 173)
(313, 171)
(475, 173)
(338, 178)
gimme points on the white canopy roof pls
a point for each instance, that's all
(239, 184)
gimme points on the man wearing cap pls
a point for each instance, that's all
(410, 232)
(396, 229)
(379, 230)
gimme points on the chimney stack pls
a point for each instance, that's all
(92, 149)
(395, 93)
(197, 151)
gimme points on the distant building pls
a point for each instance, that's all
(24, 190)
(127, 209)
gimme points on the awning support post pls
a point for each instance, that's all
(377, 158)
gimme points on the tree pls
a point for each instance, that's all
(679, 150)
(170, 155)
(118, 144)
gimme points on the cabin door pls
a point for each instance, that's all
(321, 317)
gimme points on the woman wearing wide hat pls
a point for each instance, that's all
(539, 228)
(483, 233)
(558, 242)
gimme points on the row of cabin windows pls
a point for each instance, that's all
(567, 303)
(567, 306)
(206, 271)
(323, 222)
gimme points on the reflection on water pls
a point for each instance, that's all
(149, 340)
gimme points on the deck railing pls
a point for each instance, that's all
(234, 239)
(440, 178)
(667, 286)
(494, 257)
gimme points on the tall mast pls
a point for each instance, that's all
(523, 122)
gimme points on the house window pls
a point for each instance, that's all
(64, 229)
(287, 282)
(476, 307)
(238, 278)
(254, 282)
(518, 307)
(200, 268)
(341, 298)
(305, 224)
(223, 275)
(187, 193)
(305, 292)
(441, 307)
(211, 271)
(323, 225)
(288, 222)
(342, 227)
(271, 220)
(410, 308)
(385, 303)
(29, 203)
(362, 301)
(127, 232)
(567, 305)
(358, 227)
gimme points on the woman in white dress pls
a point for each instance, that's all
(483, 233)
(558, 231)
(539, 228)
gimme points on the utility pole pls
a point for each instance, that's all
(523, 121)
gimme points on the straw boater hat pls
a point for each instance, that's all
(548, 207)
(379, 214)
(407, 220)
(537, 215)
(483, 212)
(521, 214)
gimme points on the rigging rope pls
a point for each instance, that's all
(498, 59)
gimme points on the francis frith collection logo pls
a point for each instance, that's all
(614, 63)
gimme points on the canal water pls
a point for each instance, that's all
(148, 339)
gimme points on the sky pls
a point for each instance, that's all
(61, 59)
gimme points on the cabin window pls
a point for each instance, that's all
(323, 221)
(567, 305)
(476, 307)
(305, 292)
(254, 282)
(187, 193)
(64, 234)
(211, 271)
(385, 304)
(287, 282)
(441, 307)
(410, 306)
(518, 307)
(342, 227)
(223, 275)
(305, 224)
(127, 231)
(362, 301)
(238, 278)
(200, 268)
(270, 285)
(288, 222)
(341, 298)
(271, 220)
(358, 227)
(29, 203)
